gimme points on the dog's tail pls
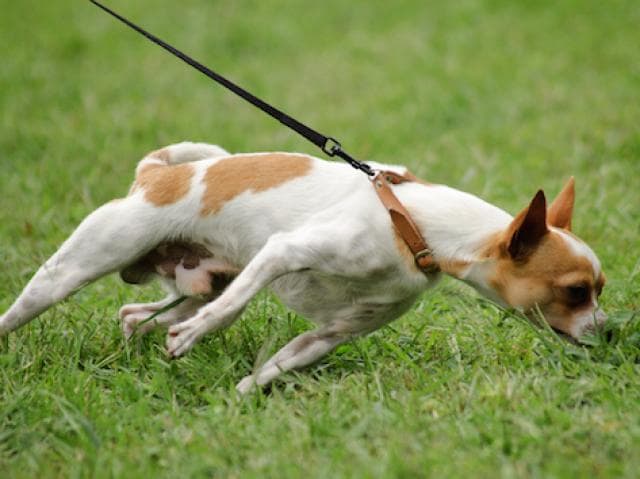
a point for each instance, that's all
(182, 153)
(175, 154)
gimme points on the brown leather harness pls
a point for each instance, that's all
(402, 221)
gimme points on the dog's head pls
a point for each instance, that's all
(541, 267)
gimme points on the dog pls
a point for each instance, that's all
(219, 227)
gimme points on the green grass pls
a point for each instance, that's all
(495, 97)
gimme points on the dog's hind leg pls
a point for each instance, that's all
(107, 240)
(298, 353)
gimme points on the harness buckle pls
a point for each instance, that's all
(431, 267)
(423, 253)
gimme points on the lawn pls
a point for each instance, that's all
(498, 98)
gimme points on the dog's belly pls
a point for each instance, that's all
(356, 306)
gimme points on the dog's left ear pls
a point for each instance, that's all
(528, 228)
(561, 209)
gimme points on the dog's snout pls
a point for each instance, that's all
(596, 323)
(600, 316)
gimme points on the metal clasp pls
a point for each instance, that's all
(331, 146)
(374, 177)
(431, 267)
(423, 253)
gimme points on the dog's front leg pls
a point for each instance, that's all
(283, 253)
(135, 316)
(298, 353)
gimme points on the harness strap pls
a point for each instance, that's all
(402, 221)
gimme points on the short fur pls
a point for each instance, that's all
(221, 227)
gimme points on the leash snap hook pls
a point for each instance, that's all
(331, 146)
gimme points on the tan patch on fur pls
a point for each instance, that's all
(454, 268)
(163, 184)
(561, 209)
(559, 316)
(232, 176)
(493, 245)
(538, 280)
(551, 260)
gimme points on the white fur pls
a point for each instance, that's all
(580, 248)
(589, 319)
(457, 224)
(323, 242)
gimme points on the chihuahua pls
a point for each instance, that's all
(219, 227)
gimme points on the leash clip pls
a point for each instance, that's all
(331, 146)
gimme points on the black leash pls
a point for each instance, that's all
(327, 144)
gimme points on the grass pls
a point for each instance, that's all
(494, 97)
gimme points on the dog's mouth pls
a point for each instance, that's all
(606, 335)
(565, 336)
(538, 320)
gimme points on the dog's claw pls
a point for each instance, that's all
(181, 337)
(245, 385)
(133, 323)
(3, 329)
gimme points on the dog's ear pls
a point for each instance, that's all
(561, 209)
(527, 229)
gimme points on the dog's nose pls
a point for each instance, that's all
(600, 316)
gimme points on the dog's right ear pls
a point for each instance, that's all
(528, 228)
(561, 209)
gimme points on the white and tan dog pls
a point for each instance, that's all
(220, 227)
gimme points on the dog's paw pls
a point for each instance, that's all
(8, 322)
(127, 310)
(3, 327)
(183, 336)
(133, 318)
(128, 328)
(246, 385)
(134, 323)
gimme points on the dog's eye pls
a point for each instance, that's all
(578, 294)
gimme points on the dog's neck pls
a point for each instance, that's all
(460, 229)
